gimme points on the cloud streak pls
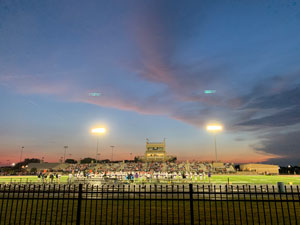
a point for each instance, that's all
(30, 84)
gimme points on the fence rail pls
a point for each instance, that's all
(148, 204)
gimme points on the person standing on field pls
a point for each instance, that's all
(51, 178)
(58, 178)
(45, 176)
(70, 178)
(39, 177)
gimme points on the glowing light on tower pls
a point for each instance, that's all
(98, 130)
(214, 128)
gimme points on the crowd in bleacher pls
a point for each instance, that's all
(152, 167)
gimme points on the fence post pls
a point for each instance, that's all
(78, 217)
(191, 203)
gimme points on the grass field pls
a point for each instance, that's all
(216, 179)
(60, 206)
(56, 212)
(256, 179)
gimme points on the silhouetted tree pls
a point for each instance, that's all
(87, 160)
(21, 165)
(71, 161)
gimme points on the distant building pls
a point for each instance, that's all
(218, 165)
(260, 168)
(156, 151)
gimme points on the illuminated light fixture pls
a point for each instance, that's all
(99, 130)
(214, 127)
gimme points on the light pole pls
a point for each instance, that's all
(98, 131)
(214, 129)
(112, 153)
(215, 139)
(22, 149)
(65, 147)
(130, 155)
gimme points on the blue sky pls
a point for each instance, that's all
(151, 61)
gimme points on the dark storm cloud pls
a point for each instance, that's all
(286, 145)
(283, 118)
(284, 99)
(272, 109)
(271, 92)
(273, 102)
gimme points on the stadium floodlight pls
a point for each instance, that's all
(214, 128)
(98, 130)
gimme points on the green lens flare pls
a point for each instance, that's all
(94, 94)
(209, 91)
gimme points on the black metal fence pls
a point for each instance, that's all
(148, 204)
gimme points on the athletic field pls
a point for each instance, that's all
(215, 179)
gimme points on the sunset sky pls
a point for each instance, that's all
(151, 62)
